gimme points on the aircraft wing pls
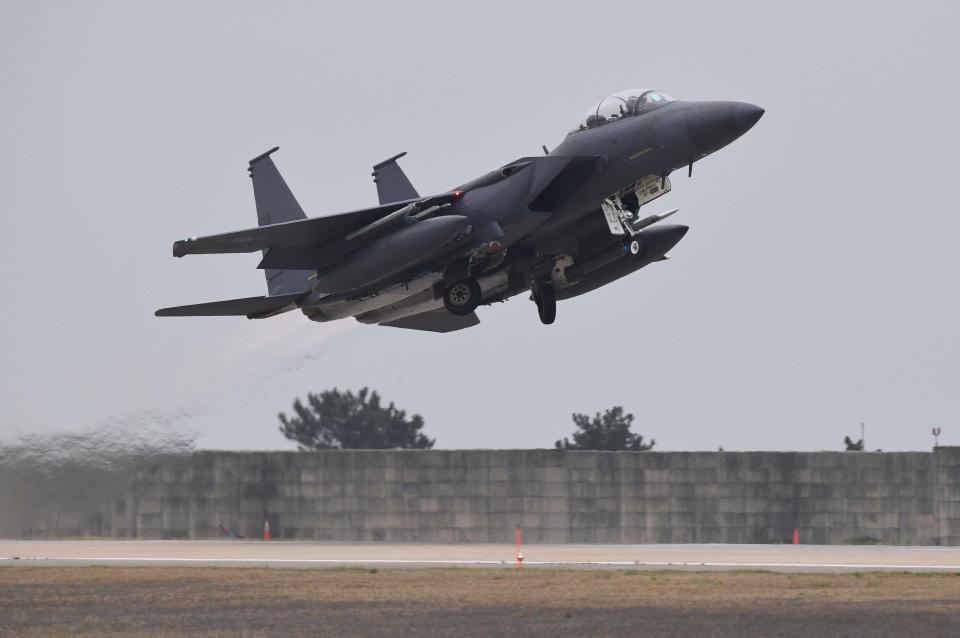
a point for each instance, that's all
(301, 233)
(435, 321)
(315, 242)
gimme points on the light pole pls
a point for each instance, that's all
(863, 436)
(936, 482)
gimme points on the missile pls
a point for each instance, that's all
(652, 219)
(336, 307)
(426, 301)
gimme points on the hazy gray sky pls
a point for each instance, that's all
(817, 287)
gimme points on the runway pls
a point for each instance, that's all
(297, 554)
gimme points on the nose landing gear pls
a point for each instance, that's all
(546, 300)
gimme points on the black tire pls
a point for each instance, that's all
(462, 297)
(546, 303)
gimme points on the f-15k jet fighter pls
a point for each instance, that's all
(556, 225)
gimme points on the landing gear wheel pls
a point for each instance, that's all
(546, 301)
(462, 297)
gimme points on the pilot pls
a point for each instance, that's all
(649, 101)
(595, 120)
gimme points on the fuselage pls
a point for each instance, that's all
(557, 225)
(511, 244)
(656, 143)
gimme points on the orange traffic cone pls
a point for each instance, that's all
(796, 536)
(266, 529)
(519, 553)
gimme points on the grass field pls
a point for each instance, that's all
(173, 601)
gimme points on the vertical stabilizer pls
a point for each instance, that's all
(276, 204)
(392, 182)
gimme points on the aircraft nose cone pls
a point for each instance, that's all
(745, 115)
(658, 240)
(713, 125)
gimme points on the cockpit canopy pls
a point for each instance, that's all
(622, 105)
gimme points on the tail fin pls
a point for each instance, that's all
(276, 204)
(392, 182)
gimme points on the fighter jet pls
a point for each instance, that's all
(553, 226)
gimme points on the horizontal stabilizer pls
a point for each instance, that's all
(250, 307)
(435, 321)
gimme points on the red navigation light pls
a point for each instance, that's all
(458, 193)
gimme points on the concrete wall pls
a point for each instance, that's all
(910, 498)
(946, 467)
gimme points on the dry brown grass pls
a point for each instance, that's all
(173, 601)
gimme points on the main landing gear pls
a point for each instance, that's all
(546, 300)
(462, 297)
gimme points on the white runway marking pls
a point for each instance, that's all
(303, 554)
(506, 563)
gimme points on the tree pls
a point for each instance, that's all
(607, 431)
(853, 446)
(334, 420)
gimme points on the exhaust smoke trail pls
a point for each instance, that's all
(56, 484)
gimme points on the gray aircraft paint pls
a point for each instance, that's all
(392, 183)
(275, 205)
(527, 222)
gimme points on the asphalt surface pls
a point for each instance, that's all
(301, 554)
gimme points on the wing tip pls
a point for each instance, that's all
(180, 247)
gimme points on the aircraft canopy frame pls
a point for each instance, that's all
(621, 105)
